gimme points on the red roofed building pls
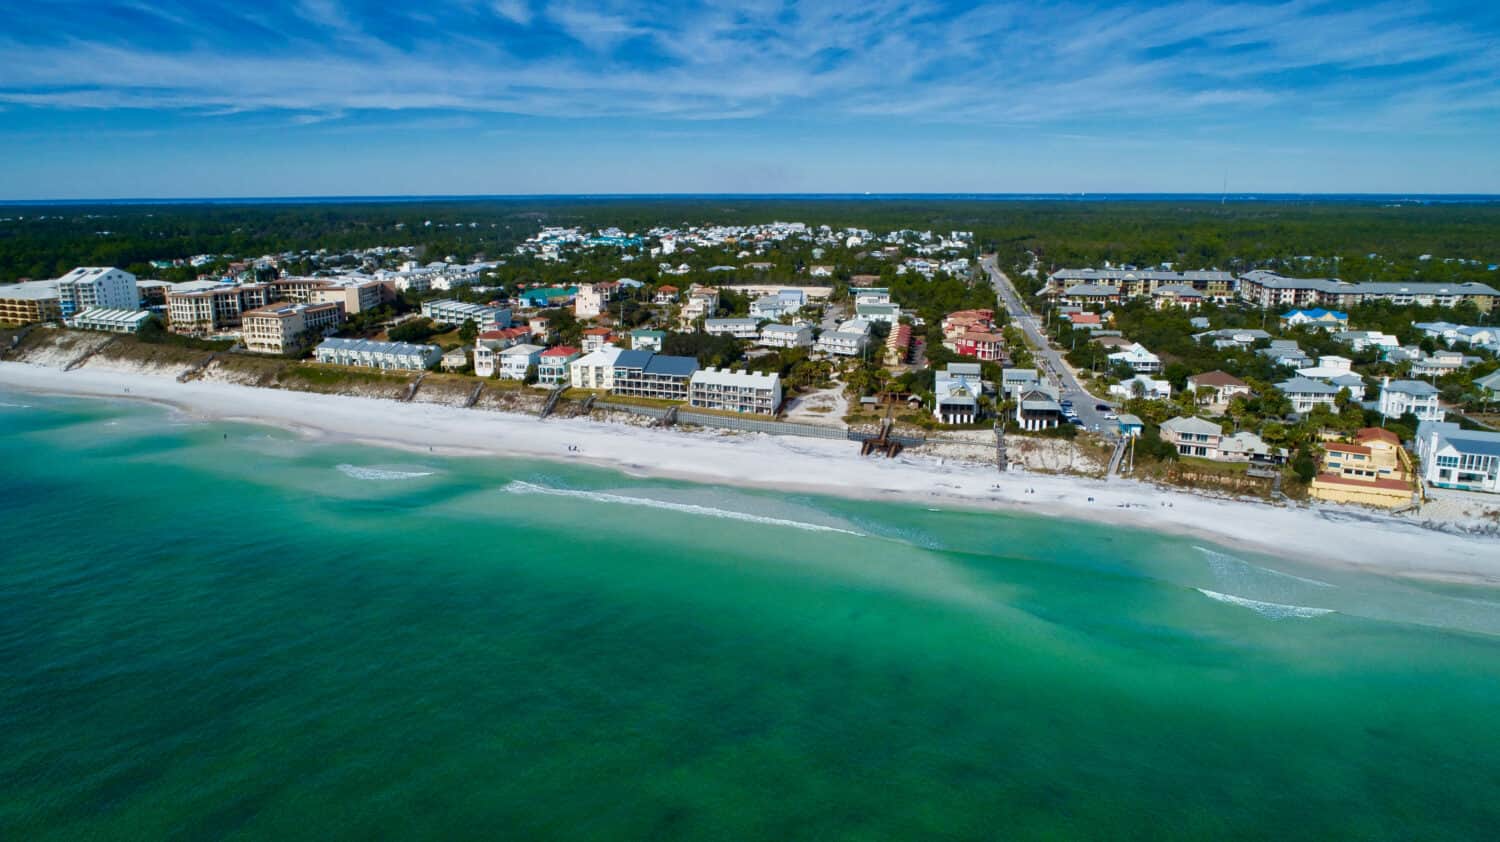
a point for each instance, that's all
(499, 340)
(552, 364)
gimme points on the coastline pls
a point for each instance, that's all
(1358, 540)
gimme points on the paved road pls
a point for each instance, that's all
(1048, 358)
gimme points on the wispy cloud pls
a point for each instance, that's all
(926, 61)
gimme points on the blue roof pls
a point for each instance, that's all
(1468, 441)
(680, 366)
(633, 359)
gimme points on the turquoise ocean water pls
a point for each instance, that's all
(225, 632)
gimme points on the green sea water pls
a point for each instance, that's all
(213, 631)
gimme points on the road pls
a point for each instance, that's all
(1049, 359)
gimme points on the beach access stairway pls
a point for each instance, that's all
(194, 371)
(552, 398)
(473, 396)
(89, 354)
(411, 391)
(1118, 456)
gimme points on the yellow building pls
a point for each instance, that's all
(29, 301)
(1372, 471)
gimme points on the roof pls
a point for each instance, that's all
(1317, 313)
(521, 350)
(724, 377)
(1388, 484)
(1340, 447)
(1191, 424)
(671, 366)
(29, 290)
(1128, 420)
(1092, 290)
(1377, 434)
(1217, 378)
(374, 347)
(1415, 388)
(633, 359)
(1303, 385)
(644, 332)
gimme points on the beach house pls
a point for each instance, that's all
(956, 392)
(647, 340)
(1193, 436)
(1452, 457)
(1037, 407)
(1140, 360)
(596, 338)
(516, 360)
(109, 321)
(1398, 397)
(1330, 320)
(1141, 386)
(1219, 387)
(643, 374)
(552, 364)
(1372, 470)
(739, 328)
(1305, 393)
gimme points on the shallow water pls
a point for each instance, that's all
(222, 631)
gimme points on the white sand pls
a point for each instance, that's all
(1356, 538)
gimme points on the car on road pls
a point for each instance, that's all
(1102, 407)
(1111, 416)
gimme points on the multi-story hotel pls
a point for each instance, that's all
(279, 328)
(1082, 284)
(202, 309)
(457, 312)
(735, 391)
(97, 286)
(29, 301)
(1268, 289)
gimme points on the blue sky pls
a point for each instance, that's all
(345, 97)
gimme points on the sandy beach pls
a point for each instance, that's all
(1354, 537)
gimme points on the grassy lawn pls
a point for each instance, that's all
(330, 375)
(635, 401)
(1208, 466)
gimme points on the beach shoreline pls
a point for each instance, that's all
(1318, 536)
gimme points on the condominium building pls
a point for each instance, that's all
(735, 391)
(356, 296)
(1268, 289)
(596, 369)
(643, 374)
(29, 301)
(97, 286)
(888, 313)
(109, 321)
(279, 328)
(447, 311)
(199, 310)
(1090, 285)
(738, 328)
(367, 353)
(786, 336)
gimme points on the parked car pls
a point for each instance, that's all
(1102, 407)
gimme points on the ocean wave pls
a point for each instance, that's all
(1274, 610)
(1226, 564)
(9, 405)
(380, 474)
(521, 487)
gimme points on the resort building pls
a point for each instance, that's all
(1398, 397)
(1193, 436)
(279, 328)
(647, 340)
(28, 302)
(449, 312)
(357, 296)
(786, 336)
(552, 365)
(643, 374)
(1263, 288)
(366, 353)
(1134, 283)
(1177, 295)
(516, 360)
(1373, 471)
(1452, 457)
(110, 321)
(595, 369)
(97, 286)
(738, 328)
(195, 309)
(1306, 394)
(1219, 387)
(956, 392)
(735, 391)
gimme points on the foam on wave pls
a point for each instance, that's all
(1274, 610)
(1225, 563)
(521, 487)
(379, 474)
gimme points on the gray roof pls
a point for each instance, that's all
(1307, 386)
(375, 347)
(1185, 424)
(1415, 388)
(730, 322)
(1092, 289)
(1140, 274)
